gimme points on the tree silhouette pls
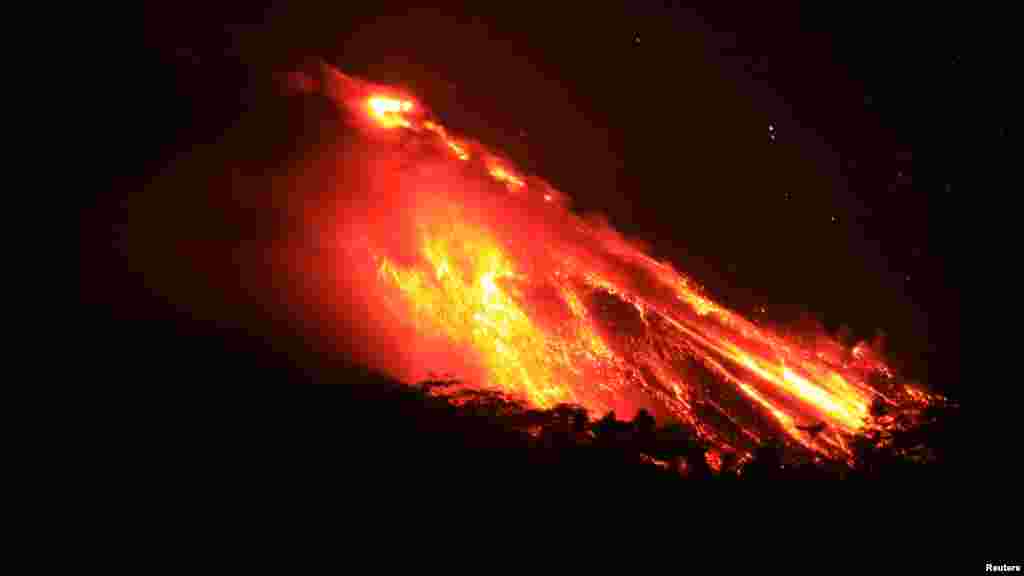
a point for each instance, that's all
(729, 464)
(580, 421)
(766, 463)
(643, 428)
(605, 429)
(565, 437)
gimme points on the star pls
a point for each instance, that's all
(636, 39)
(834, 219)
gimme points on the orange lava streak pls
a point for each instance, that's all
(465, 299)
(503, 175)
(455, 146)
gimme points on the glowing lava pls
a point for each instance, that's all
(389, 112)
(555, 308)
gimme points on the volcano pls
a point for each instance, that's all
(449, 258)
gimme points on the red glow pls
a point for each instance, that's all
(534, 301)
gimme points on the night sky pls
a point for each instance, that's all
(794, 161)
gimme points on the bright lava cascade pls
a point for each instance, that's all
(601, 324)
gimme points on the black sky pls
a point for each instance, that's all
(786, 157)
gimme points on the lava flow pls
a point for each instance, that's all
(467, 265)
